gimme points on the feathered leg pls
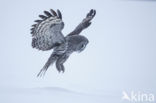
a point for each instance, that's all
(50, 61)
(60, 61)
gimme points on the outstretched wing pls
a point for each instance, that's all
(84, 24)
(47, 34)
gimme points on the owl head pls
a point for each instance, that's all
(77, 42)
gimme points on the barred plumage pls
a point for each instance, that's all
(47, 32)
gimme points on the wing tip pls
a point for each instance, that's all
(49, 14)
(59, 14)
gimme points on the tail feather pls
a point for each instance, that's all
(50, 61)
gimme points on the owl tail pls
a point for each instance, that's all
(50, 61)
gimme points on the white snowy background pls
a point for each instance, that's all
(121, 55)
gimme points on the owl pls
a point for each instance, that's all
(47, 35)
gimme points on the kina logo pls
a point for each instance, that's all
(137, 96)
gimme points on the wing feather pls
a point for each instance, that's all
(46, 34)
(86, 22)
(59, 14)
(53, 12)
(47, 13)
(42, 17)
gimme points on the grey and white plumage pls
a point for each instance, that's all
(47, 35)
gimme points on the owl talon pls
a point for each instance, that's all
(62, 70)
(59, 70)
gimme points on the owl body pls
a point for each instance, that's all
(62, 52)
(47, 35)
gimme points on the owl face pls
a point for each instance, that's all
(77, 42)
(82, 46)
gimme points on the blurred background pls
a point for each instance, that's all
(121, 54)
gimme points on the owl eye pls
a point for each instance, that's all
(82, 46)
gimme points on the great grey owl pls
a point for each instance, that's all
(47, 35)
